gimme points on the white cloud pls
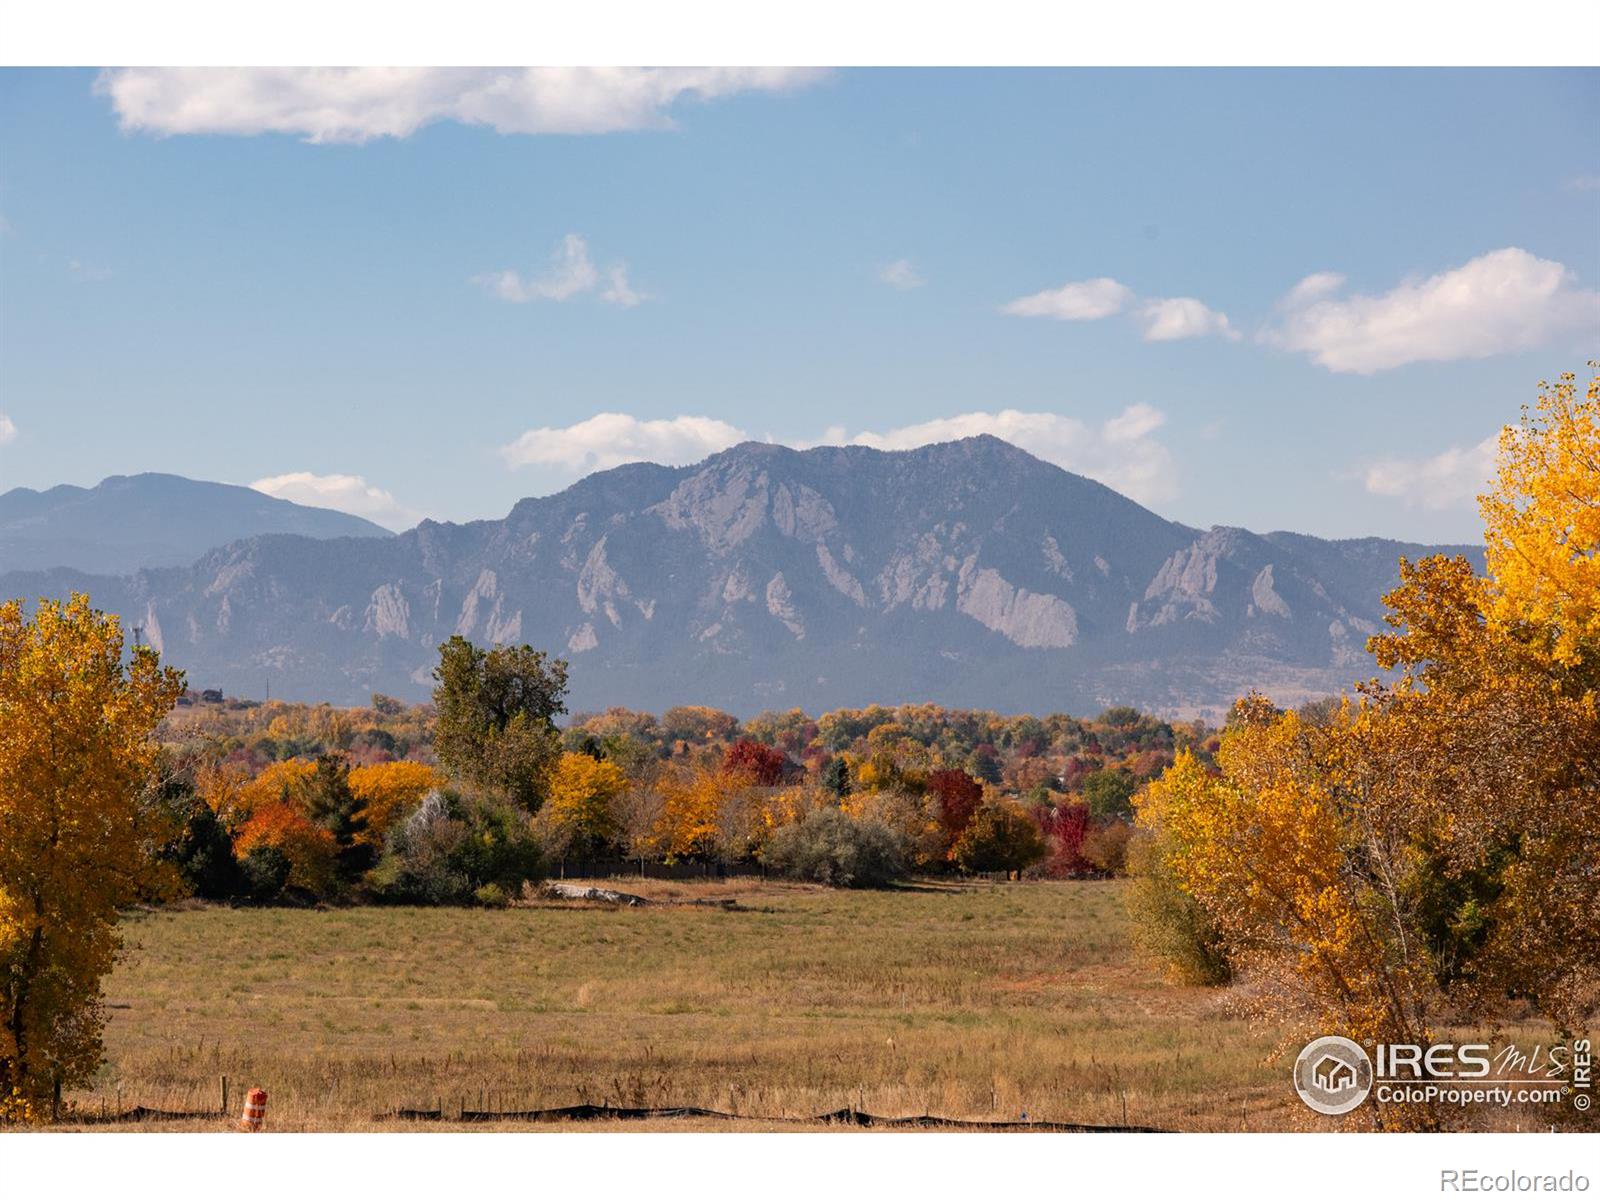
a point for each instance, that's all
(1503, 301)
(8, 430)
(1447, 480)
(1182, 317)
(1312, 287)
(1162, 319)
(346, 493)
(902, 275)
(571, 273)
(610, 439)
(1585, 183)
(356, 104)
(1089, 300)
(619, 290)
(1121, 452)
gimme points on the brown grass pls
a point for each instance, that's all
(973, 1001)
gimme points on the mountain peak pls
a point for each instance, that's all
(153, 519)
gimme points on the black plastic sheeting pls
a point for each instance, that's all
(842, 1116)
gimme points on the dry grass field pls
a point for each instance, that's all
(964, 1000)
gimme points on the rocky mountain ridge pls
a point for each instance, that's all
(967, 573)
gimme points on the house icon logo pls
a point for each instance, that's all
(1332, 1075)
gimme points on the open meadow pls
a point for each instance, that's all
(971, 1000)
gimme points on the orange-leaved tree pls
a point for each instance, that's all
(79, 827)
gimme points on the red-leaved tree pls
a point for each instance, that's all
(762, 765)
(959, 795)
(1065, 829)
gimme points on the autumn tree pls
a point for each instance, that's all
(79, 831)
(1000, 837)
(1430, 850)
(281, 847)
(761, 765)
(496, 725)
(580, 815)
(388, 790)
(692, 806)
(958, 795)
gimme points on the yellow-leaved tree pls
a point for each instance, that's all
(1542, 527)
(388, 790)
(579, 817)
(1429, 853)
(78, 827)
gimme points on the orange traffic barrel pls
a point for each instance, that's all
(255, 1111)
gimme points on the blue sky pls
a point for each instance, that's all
(413, 294)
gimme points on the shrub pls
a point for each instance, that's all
(1168, 923)
(264, 872)
(451, 847)
(1000, 837)
(826, 846)
(913, 819)
(492, 895)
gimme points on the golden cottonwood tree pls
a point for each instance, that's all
(388, 790)
(77, 831)
(1431, 853)
(579, 814)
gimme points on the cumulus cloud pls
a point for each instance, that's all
(346, 493)
(1161, 319)
(1312, 287)
(8, 430)
(571, 273)
(1121, 453)
(610, 439)
(1089, 300)
(1183, 317)
(902, 275)
(1503, 301)
(1450, 479)
(357, 104)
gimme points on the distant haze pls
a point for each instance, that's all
(133, 521)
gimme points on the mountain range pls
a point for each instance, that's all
(131, 521)
(967, 573)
